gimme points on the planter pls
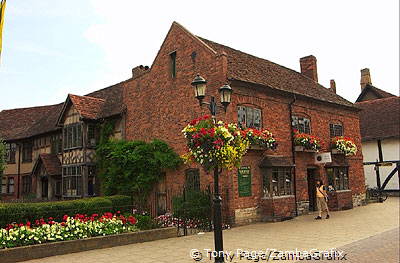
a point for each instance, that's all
(302, 149)
(256, 148)
(24, 253)
(336, 151)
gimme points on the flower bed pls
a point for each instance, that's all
(344, 145)
(307, 141)
(70, 228)
(168, 220)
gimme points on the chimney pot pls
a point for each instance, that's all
(308, 66)
(365, 78)
(333, 86)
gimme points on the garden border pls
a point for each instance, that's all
(24, 253)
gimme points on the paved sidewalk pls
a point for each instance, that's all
(303, 233)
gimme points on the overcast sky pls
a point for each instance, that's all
(52, 48)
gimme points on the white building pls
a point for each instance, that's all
(380, 132)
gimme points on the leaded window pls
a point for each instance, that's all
(249, 117)
(27, 152)
(73, 136)
(11, 149)
(338, 177)
(192, 179)
(278, 181)
(10, 185)
(336, 129)
(72, 181)
(301, 124)
(26, 184)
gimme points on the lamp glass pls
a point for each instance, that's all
(200, 90)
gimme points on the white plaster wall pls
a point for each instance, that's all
(391, 152)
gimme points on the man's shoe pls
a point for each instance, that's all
(327, 216)
(318, 217)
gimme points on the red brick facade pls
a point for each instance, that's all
(160, 105)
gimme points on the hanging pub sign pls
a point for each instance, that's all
(244, 181)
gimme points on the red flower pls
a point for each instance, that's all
(132, 220)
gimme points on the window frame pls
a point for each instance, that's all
(9, 185)
(11, 150)
(26, 184)
(246, 111)
(72, 134)
(338, 177)
(275, 182)
(172, 61)
(295, 123)
(27, 151)
(72, 181)
(192, 184)
(332, 130)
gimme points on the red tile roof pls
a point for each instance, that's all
(88, 107)
(22, 123)
(380, 118)
(377, 92)
(248, 68)
(51, 164)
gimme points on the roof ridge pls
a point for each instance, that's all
(87, 97)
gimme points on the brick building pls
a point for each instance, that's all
(161, 102)
(157, 102)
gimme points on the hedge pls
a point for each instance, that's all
(23, 212)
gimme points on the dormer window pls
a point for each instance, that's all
(172, 58)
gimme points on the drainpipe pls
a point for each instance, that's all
(19, 170)
(293, 153)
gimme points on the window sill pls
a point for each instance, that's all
(343, 191)
(27, 161)
(277, 197)
(73, 148)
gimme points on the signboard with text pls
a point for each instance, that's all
(244, 181)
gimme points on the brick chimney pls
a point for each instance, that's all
(365, 78)
(333, 86)
(308, 66)
(139, 71)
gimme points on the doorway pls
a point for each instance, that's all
(311, 178)
(45, 187)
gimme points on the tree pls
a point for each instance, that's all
(133, 167)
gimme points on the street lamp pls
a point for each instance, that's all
(199, 85)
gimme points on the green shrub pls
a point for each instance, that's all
(145, 222)
(120, 203)
(23, 212)
(195, 205)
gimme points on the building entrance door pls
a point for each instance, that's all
(45, 187)
(311, 178)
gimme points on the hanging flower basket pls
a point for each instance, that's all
(343, 145)
(306, 142)
(221, 145)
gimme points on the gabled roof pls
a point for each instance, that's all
(380, 118)
(51, 164)
(23, 123)
(248, 68)
(88, 107)
(375, 91)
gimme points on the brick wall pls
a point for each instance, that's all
(159, 106)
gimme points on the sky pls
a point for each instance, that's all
(52, 48)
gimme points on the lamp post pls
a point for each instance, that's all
(199, 85)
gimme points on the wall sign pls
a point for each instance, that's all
(244, 181)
